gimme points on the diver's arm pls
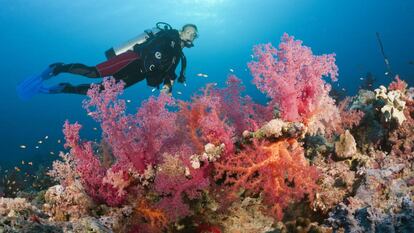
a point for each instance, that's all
(168, 84)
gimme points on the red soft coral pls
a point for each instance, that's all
(398, 84)
(176, 182)
(401, 140)
(279, 170)
(89, 167)
(350, 118)
(292, 77)
(204, 122)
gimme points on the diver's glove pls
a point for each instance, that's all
(166, 89)
(181, 78)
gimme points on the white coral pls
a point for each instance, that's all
(13, 207)
(346, 146)
(211, 153)
(394, 104)
(67, 203)
(273, 128)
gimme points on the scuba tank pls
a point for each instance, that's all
(139, 39)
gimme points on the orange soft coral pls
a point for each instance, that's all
(155, 217)
(278, 170)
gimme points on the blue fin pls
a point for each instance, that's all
(33, 84)
(55, 89)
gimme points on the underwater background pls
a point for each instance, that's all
(35, 34)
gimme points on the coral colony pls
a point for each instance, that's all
(222, 163)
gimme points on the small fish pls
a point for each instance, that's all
(30, 163)
(37, 147)
(251, 56)
(128, 101)
(23, 146)
(52, 153)
(179, 92)
(46, 137)
(343, 89)
(361, 78)
(202, 75)
(386, 73)
(153, 89)
(23, 162)
(231, 70)
(94, 128)
(58, 141)
(17, 169)
(40, 142)
(90, 113)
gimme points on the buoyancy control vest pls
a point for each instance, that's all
(139, 39)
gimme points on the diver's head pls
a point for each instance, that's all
(188, 34)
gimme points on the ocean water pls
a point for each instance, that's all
(36, 33)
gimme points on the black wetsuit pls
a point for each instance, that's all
(154, 60)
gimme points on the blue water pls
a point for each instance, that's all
(37, 33)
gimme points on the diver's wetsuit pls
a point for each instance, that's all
(156, 60)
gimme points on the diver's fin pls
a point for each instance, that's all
(55, 69)
(33, 84)
(55, 89)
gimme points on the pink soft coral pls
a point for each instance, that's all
(88, 166)
(239, 110)
(292, 77)
(135, 139)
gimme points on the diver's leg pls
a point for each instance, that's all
(130, 74)
(81, 89)
(75, 68)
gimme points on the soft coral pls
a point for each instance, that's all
(292, 77)
(279, 170)
(89, 167)
(136, 139)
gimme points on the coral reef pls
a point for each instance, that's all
(222, 163)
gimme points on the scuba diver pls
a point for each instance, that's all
(153, 55)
